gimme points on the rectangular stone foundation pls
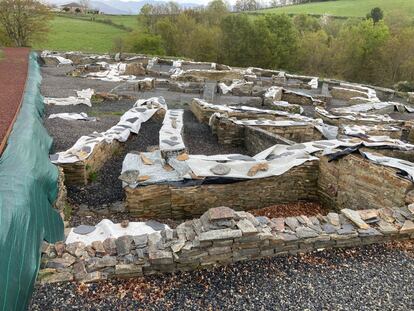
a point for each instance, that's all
(232, 134)
(357, 183)
(166, 201)
(203, 114)
(79, 173)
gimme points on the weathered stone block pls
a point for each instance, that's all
(222, 234)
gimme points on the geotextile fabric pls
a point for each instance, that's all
(28, 189)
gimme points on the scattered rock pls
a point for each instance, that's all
(220, 169)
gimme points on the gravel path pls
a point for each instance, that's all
(367, 278)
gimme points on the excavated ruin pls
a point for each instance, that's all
(186, 152)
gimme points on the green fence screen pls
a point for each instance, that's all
(28, 188)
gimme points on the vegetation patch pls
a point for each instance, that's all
(349, 8)
(68, 34)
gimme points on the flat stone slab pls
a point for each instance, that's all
(219, 213)
(355, 218)
(84, 229)
(408, 227)
(221, 234)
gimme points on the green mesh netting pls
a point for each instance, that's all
(28, 188)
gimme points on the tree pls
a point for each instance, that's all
(24, 21)
(358, 50)
(138, 42)
(246, 5)
(376, 15)
(215, 11)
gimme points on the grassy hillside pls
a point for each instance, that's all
(68, 34)
(130, 21)
(351, 8)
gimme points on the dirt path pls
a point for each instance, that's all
(13, 73)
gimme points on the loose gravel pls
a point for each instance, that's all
(378, 277)
(56, 83)
(199, 139)
(65, 133)
(107, 188)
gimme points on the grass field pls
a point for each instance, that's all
(350, 8)
(68, 34)
(130, 21)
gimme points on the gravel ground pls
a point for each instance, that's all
(107, 188)
(199, 139)
(66, 133)
(367, 278)
(55, 83)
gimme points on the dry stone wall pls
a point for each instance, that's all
(357, 183)
(257, 140)
(297, 184)
(232, 134)
(221, 236)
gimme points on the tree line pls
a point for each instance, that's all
(370, 50)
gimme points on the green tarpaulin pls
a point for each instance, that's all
(28, 188)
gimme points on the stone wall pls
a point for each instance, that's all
(203, 114)
(79, 173)
(221, 236)
(357, 183)
(232, 134)
(257, 140)
(297, 184)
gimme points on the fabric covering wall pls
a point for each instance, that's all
(28, 188)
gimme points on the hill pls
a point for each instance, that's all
(349, 8)
(69, 34)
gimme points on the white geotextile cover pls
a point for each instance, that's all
(112, 73)
(372, 94)
(62, 60)
(266, 122)
(202, 165)
(107, 229)
(330, 146)
(403, 165)
(169, 133)
(227, 89)
(130, 122)
(71, 116)
(364, 108)
(373, 118)
(83, 97)
(328, 131)
(156, 171)
(364, 129)
(279, 158)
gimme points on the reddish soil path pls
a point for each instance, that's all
(13, 73)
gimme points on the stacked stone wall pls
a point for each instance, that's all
(221, 236)
(297, 184)
(357, 183)
(257, 140)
